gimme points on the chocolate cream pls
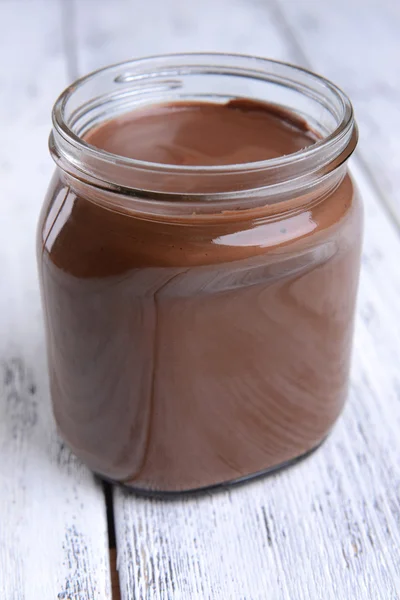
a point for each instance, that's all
(187, 354)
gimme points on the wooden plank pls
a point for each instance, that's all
(112, 32)
(329, 527)
(53, 528)
(356, 44)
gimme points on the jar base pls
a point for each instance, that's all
(224, 486)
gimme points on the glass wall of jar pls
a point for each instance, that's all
(199, 319)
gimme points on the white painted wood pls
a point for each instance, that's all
(328, 528)
(356, 44)
(53, 530)
(108, 32)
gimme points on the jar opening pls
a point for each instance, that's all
(118, 89)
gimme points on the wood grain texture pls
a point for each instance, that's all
(330, 527)
(53, 530)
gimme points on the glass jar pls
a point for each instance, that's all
(199, 319)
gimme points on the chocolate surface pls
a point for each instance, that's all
(183, 355)
(204, 134)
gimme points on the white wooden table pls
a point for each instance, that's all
(328, 528)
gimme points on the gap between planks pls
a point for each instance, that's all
(108, 498)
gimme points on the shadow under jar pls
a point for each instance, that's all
(199, 253)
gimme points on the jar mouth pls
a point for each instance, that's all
(118, 88)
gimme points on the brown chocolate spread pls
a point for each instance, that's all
(183, 355)
(200, 134)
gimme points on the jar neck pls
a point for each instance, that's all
(278, 184)
(253, 206)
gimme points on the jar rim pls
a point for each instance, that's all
(322, 156)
